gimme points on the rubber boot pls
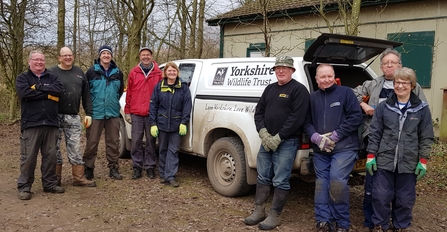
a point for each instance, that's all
(273, 219)
(59, 174)
(262, 194)
(79, 178)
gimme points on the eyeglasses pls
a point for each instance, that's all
(38, 60)
(404, 84)
(66, 56)
(388, 63)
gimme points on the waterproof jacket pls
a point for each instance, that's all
(139, 89)
(399, 139)
(335, 108)
(372, 89)
(106, 89)
(36, 108)
(170, 107)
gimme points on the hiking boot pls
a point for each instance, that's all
(323, 227)
(24, 195)
(55, 189)
(136, 173)
(88, 173)
(79, 178)
(150, 173)
(114, 174)
(162, 180)
(173, 183)
(379, 229)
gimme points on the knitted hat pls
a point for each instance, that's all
(105, 48)
(145, 48)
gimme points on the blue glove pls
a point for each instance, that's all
(334, 137)
(323, 142)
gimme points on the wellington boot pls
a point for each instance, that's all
(273, 219)
(79, 178)
(262, 194)
(59, 174)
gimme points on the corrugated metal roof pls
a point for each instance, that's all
(254, 8)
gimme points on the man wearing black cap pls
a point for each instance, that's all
(279, 119)
(140, 84)
(106, 87)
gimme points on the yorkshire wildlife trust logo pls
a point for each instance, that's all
(219, 77)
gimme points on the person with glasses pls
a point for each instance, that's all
(279, 119)
(400, 139)
(369, 95)
(76, 88)
(39, 91)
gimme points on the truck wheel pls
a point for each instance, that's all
(123, 152)
(226, 167)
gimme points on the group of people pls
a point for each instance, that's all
(397, 134)
(157, 105)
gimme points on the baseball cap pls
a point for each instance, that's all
(145, 48)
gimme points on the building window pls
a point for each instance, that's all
(256, 50)
(417, 53)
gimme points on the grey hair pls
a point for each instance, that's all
(390, 51)
(406, 74)
(35, 51)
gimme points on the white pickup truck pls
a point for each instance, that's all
(225, 93)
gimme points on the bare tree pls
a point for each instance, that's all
(349, 14)
(11, 44)
(60, 23)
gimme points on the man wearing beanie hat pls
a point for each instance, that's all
(106, 87)
(140, 84)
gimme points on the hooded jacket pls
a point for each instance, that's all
(106, 89)
(170, 107)
(399, 139)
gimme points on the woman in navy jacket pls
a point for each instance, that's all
(170, 110)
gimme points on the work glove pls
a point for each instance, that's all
(264, 135)
(53, 98)
(371, 164)
(421, 169)
(87, 121)
(154, 131)
(182, 129)
(273, 142)
(334, 136)
(323, 142)
(128, 118)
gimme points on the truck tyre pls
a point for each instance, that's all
(226, 167)
(123, 152)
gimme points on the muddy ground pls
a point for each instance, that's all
(147, 205)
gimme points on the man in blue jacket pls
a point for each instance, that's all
(332, 123)
(39, 91)
(106, 87)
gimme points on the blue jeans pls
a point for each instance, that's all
(397, 190)
(331, 187)
(70, 126)
(276, 167)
